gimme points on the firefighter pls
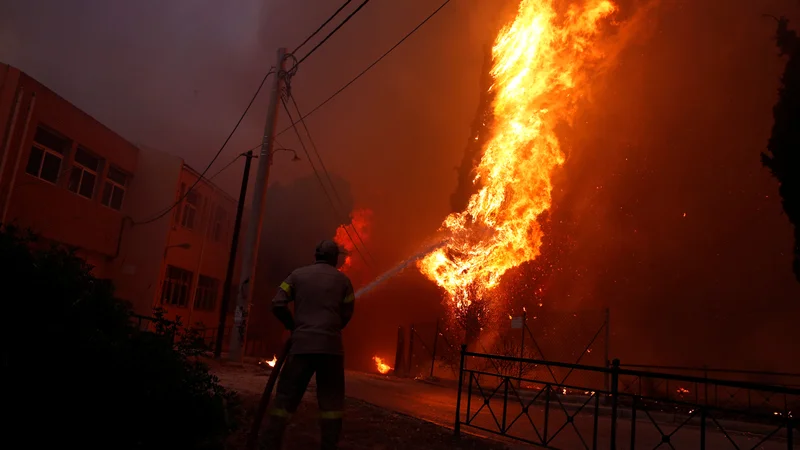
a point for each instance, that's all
(323, 305)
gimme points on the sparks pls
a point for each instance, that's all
(542, 62)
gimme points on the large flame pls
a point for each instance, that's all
(541, 64)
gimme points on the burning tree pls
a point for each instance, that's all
(473, 315)
(541, 65)
(479, 134)
(783, 149)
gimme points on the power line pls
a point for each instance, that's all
(346, 19)
(202, 175)
(322, 26)
(226, 166)
(328, 175)
(374, 63)
(322, 184)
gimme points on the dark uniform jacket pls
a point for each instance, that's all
(323, 304)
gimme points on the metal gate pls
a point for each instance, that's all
(551, 411)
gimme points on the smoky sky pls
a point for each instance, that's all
(300, 217)
(671, 219)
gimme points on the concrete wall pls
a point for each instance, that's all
(208, 255)
(9, 88)
(131, 246)
(50, 209)
(138, 266)
(148, 248)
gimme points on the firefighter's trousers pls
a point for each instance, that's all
(294, 379)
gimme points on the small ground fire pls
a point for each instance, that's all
(381, 366)
(542, 63)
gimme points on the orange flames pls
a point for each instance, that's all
(542, 64)
(381, 366)
(360, 220)
(270, 362)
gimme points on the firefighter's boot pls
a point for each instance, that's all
(330, 430)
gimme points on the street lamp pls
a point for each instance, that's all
(295, 158)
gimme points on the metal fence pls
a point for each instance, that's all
(431, 351)
(575, 337)
(552, 412)
(156, 324)
(254, 346)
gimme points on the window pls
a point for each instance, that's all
(83, 176)
(114, 189)
(207, 291)
(190, 206)
(219, 224)
(46, 154)
(176, 215)
(175, 290)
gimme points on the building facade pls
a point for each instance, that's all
(128, 211)
(175, 255)
(62, 173)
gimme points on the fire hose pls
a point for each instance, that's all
(252, 437)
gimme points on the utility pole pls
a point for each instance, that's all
(226, 286)
(253, 235)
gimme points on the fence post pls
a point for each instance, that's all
(410, 360)
(433, 352)
(614, 401)
(607, 346)
(460, 387)
(399, 356)
(522, 346)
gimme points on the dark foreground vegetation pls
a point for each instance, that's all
(79, 374)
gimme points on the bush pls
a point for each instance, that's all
(79, 373)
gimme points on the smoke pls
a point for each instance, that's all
(676, 226)
(676, 127)
(298, 216)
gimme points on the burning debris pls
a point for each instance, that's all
(381, 366)
(542, 63)
(358, 230)
(270, 363)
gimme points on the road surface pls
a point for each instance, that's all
(438, 404)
